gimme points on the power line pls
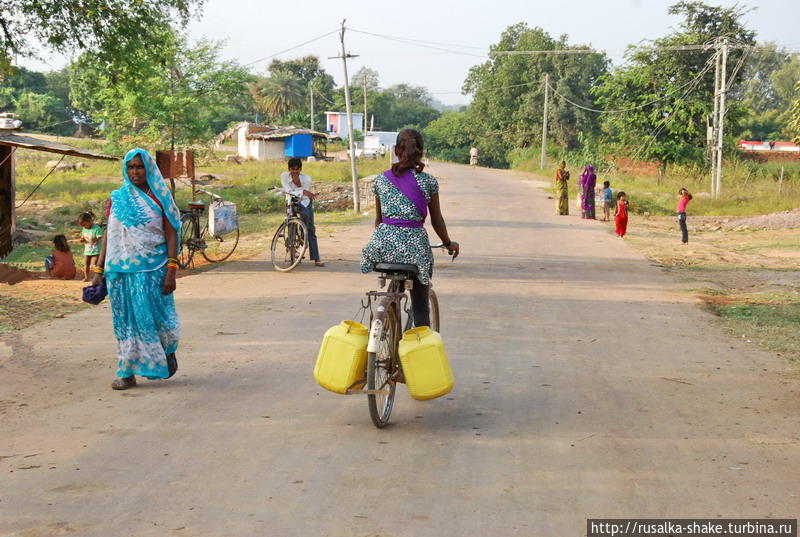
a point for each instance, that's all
(623, 110)
(291, 48)
(650, 139)
(419, 43)
(32, 192)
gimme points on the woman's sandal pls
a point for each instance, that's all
(124, 383)
(172, 364)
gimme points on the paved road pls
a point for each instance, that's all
(587, 385)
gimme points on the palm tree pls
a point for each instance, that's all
(278, 94)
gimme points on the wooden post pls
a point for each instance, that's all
(780, 182)
(350, 136)
(7, 199)
(543, 162)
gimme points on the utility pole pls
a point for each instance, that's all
(353, 171)
(365, 104)
(544, 120)
(311, 92)
(712, 137)
(723, 83)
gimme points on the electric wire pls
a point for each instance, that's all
(637, 107)
(32, 192)
(304, 43)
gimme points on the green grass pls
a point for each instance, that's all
(749, 187)
(773, 323)
(56, 204)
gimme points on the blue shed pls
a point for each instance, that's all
(299, 145)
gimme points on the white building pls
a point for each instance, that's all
(336, 123)
(269, 142)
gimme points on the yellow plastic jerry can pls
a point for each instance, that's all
(425, 366)
(342, 358)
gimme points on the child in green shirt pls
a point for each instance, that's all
(91, 235)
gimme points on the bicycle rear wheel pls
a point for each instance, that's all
(186, 247)
(382, 367)
(220, 247)
(289, 245)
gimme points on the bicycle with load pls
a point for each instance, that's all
(197, 233)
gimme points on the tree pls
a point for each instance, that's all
(373, 79)
(278, 94)
(794, 115)
(40, 111)
(451, 136)
(678, 83)
(37, 98)
(301, 75)
(766, 91)
(177, 93)
(508, 92)
(107, 27)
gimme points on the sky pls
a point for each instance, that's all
(255, 29)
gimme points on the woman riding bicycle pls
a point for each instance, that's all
(403, 197)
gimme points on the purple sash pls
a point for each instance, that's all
(408, 186)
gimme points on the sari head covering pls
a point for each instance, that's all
(588, 171)
(562, 166)
(135, 235)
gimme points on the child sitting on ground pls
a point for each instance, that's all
(91, 235)
(621, 214)
(60, 264)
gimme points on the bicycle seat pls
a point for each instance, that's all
(396, 267)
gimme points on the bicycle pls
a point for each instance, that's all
(195, 235)
(289, 243)
(391, 318)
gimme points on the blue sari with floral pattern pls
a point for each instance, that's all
(145, 321)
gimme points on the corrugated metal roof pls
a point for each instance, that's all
(284, 132)
(37, 144)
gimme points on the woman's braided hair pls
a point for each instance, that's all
(408, 148)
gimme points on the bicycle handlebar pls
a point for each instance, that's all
(443, 247)
(209, 193)
(281, 191)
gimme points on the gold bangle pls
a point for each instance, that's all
(98, 270)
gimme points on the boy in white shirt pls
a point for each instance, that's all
(299, 184)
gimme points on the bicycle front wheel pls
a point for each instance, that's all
(433, 305)
(289, 245)
(220, 247)
(382, 368)
(186, 247)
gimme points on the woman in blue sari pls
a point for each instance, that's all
(139, 263)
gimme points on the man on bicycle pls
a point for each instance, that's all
(299, 184)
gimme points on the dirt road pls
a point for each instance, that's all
(587, 385)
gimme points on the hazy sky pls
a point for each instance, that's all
(254, 29)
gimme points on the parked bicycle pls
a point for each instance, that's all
(388, 321)
(197, 237)
(289, 243)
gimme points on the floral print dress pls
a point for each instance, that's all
(394, 244)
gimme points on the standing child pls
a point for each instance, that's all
(608, 200)
(91, 235)
(621, 214)
(681, 210)
(60, 264)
